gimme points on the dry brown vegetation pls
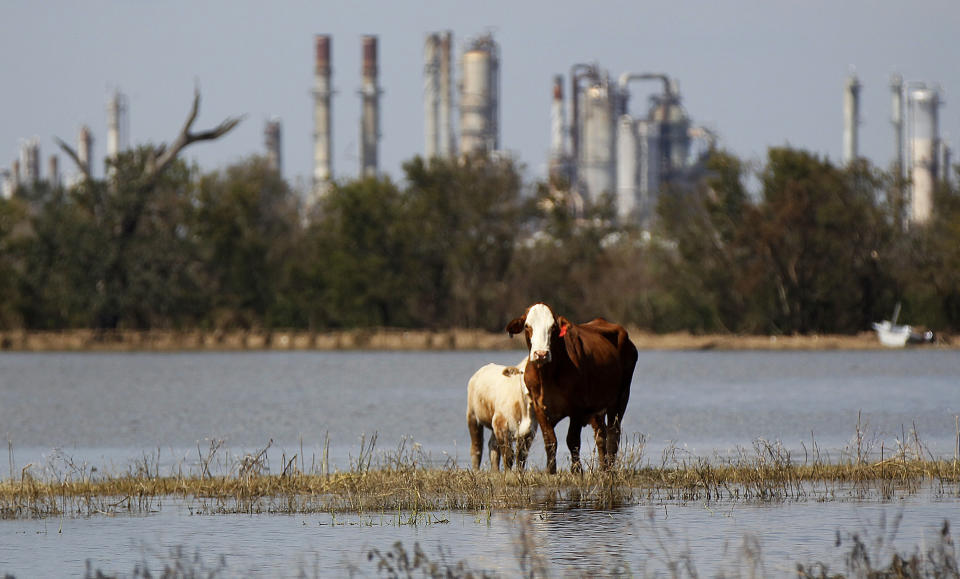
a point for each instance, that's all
(404, 486)
(397, 339)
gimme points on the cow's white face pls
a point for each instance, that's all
(539, 324)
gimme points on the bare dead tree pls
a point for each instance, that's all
(115, 282)
(161, 157)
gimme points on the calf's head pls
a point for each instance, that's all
(542, 329)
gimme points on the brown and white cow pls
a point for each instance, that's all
(497, 399)
(580, 371)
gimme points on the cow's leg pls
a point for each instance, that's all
(601, 437)
(573, 443)
(476, 442)
(504, 440)
(613, 436)
(494, 445)
(549, 442)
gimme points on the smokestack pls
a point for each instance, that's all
(272, 143)
(896, 117)
(445, 148)
(53, 171)
(556, 119)
(30, 160)
(851, 119)
(85, 148)
(323, 128)
(431, 95)
(370, 115)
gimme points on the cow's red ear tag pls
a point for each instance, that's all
(563, 330)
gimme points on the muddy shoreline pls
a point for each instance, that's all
(395, 339)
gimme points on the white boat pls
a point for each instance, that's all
(892, 335)
(895, 336)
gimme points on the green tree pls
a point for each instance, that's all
(813, 240)
(702, 271)
(247, 230)
(358, 256)
(462, 221)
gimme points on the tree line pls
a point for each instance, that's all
(798, 245)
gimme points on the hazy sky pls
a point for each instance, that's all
(758, 72)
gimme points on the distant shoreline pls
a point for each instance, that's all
(395, 339)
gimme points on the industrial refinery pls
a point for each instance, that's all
(611, 150)
(921, 157)
(627, 137)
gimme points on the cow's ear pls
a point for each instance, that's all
(564, 324)
(515, 326)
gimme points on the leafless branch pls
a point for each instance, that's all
(73, 155)
(166, 155)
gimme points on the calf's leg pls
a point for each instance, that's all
(494, 452)
(476, 441)
(504, 440)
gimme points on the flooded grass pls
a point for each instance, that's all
(408, 487)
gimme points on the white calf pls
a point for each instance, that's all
(498, 399)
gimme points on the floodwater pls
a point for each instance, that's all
(66, 411)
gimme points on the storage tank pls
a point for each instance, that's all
(597, 171)
(924, 146)
(479, 95)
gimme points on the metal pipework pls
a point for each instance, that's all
(664, 148)
(627, 77)
(323, 127)
(577, 72)
(370, 115)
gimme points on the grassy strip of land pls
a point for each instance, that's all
(408, 487)
(398, 339)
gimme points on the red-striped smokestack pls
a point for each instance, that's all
(323, 54)
(369, 56)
